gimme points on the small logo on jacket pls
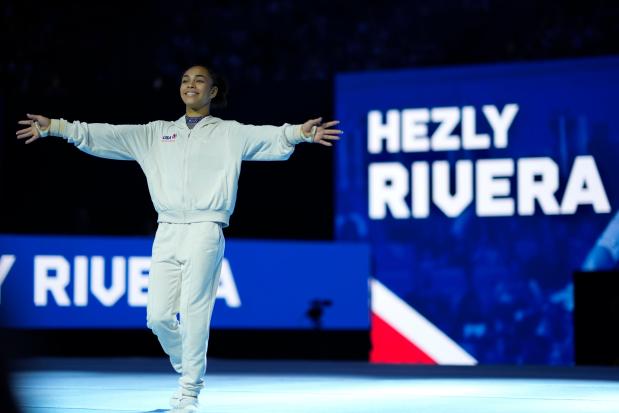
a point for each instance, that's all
(168, 138)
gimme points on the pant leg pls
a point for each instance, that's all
(163, 299)
(203, 254)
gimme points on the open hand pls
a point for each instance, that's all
(323, 132)
(32, 132)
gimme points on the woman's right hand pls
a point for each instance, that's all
(32, 131)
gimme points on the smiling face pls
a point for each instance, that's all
(197, 90)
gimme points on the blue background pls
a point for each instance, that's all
(500, 286)
(276, 282)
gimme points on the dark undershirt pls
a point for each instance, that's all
(192, 120)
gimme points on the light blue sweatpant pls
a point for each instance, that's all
(184, 276)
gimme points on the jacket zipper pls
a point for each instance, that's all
(185, 162)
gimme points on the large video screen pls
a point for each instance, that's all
(481, 190)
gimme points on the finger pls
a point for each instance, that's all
(33, 117)
(34, 138)
(325, 143)
(333, 122)
(331, 137)
(25, 122)
(333, 131)
(25, 134)
(24, 129)
(316, 121)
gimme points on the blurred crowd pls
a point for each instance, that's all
(280, 40)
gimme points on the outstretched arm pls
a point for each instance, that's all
(124, 142)
(269, 143)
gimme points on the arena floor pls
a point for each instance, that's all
(51, 385)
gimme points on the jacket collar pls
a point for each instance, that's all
(181, 123)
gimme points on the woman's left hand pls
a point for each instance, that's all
(323, 132)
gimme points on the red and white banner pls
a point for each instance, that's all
(401, 335)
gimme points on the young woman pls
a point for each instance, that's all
(192, 167)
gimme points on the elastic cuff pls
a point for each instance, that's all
(58, 127)
(292, 133)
